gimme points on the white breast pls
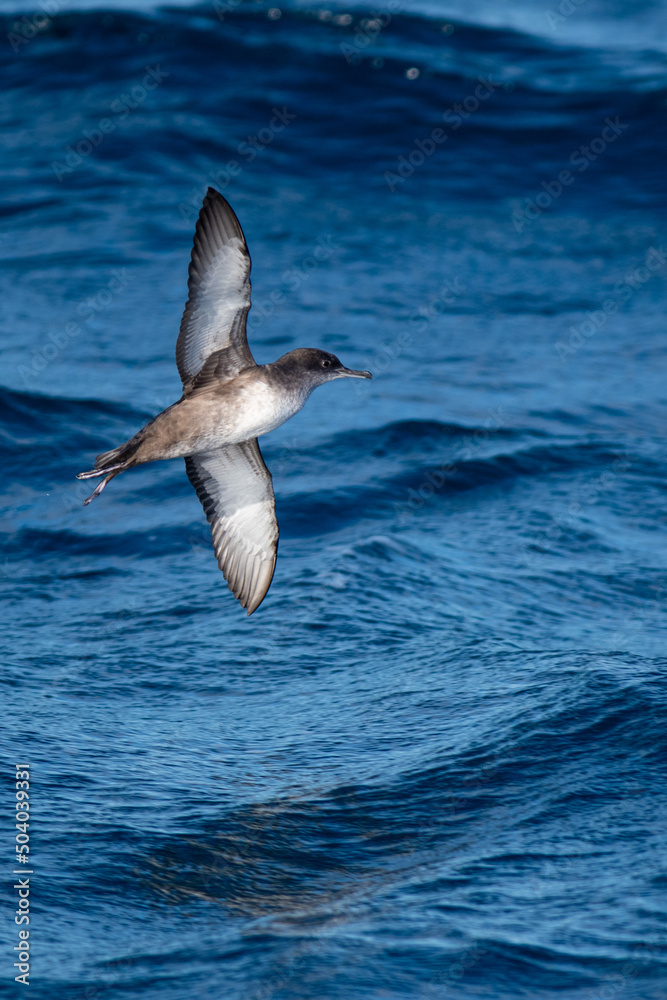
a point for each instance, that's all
(260, 408)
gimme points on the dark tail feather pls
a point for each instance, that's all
(119, 456)
(110, 464)
(112, 461)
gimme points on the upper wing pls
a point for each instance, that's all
(219, 292)
(236, 492)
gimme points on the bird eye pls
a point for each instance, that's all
(325, 363)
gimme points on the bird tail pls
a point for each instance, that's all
(110, 464)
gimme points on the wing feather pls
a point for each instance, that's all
(235, 489)
(214, 319)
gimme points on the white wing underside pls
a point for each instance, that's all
(232, 483)
(214, 319)
(236, 492)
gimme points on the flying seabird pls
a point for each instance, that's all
(228, 402)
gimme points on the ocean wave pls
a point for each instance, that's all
(542, 62)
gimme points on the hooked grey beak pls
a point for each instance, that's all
(350, 373)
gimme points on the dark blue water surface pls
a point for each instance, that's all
(431, 765)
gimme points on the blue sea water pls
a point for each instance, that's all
(431, 766)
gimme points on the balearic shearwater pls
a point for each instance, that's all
(228, 401)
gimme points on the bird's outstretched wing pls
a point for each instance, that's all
(215, 314)
(236, 492)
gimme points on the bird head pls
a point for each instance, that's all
(318, 366)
